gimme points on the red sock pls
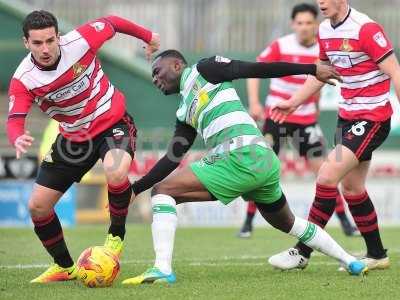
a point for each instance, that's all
(364, 214)
(339, 209)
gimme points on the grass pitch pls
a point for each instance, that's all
(210, 263)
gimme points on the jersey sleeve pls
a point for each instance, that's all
(322, 53)
(20, 102)
(219, 69)
(181, 142)
(96, 32)
(270, 54)
(375, 42)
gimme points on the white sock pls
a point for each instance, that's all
(163, 230)
(318, 239)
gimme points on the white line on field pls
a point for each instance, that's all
(218, 261)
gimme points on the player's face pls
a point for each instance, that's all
(305, 26)
(44, 45)
(166, 73)
(331, 8)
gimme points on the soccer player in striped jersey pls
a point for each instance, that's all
(300, 47)
(63, 76)
(358, 48)
(239, 161)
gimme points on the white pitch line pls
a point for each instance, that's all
(218, 261)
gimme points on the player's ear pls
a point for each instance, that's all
(26, 43)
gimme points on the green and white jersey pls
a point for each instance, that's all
(216, 112)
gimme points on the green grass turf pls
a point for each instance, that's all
(210, 263)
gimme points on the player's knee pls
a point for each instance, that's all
(160, 188)
(37, 209)
(326, 179)
(116, 177)
(352, 189)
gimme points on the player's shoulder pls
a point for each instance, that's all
(70, 37)
(289, 38)
(24, 68)
(325, 25)
(360, 18)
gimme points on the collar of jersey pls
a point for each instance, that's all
(344, 20)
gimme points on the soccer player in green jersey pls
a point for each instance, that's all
(239, 161)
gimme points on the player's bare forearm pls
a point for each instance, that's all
(253, 86)
(310, 87)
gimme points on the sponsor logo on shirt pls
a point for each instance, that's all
(380, 39)
(70, 91)
(78, 69)
(346, 47)
(98, 26)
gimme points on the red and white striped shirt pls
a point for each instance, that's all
(288, 49)
(76, 93)
(355, 47)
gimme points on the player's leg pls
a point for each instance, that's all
(59, 169)
(247, 227)
(358, 139)
(347, 227)
(310, 142)
(116, 150)
(365, 216)
(272, 205)
(279, 215)
(273, 133)
(182, 186)
(339, 162)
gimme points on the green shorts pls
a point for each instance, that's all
(252, 172)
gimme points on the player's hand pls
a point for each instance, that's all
(326, 73)
(281, 110)
(22, 143)
(256, 111)
(153, 45)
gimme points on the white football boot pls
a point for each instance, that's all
(288, 259)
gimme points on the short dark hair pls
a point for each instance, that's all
(171, 53)
(304, 7)
(39, 19)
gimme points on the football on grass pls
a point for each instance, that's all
(98, 267)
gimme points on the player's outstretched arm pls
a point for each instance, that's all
(181, 142)
(122, 25)
(219, 69)
(281, 110)
(100, 30)
(391, 67)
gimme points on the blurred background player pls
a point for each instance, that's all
(298, 47)
(64, 77)
(361, 52)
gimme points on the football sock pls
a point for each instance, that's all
(50, 233)
(163, 230)
(339, 208)
(321, 211)
(365, 217)
(251, 212)
(315, 237)
(119, 197)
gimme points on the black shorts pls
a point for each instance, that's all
(362, 137)
(67, 162)
(308, 140)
